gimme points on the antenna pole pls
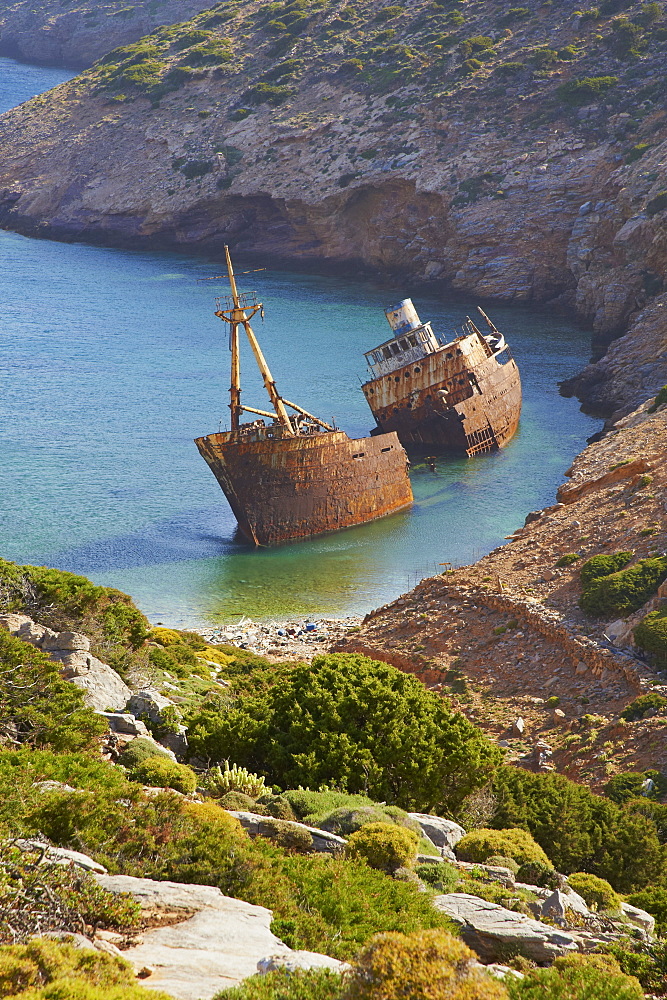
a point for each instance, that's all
(237, 315)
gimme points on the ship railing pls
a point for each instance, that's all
(247, 300)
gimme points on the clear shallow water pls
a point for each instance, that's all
(111, 362)
(19, 82)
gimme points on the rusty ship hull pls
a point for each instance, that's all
(283, 488)
(462, 397)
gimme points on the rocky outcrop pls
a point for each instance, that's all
(102, 687)
(265, 826)
(444, 833)
(493, 184)
(490, 929)
(219, 942)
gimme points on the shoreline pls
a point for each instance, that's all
(293, 638)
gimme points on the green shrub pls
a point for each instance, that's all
(267, 93)
(651, 634)
(645, 960)
(576, 977)
(657, 204)
(638, 708)
(625, 38)
(355, 722)
(191, 37)
(509, 68)
(623, 787)
(140, 749)
(536, 873)
(515, 14)
(596, 892)
(580, 831)
(469, 66)
(543, 57)
(626, 591)
(163, 773)
(49, 970)
(661, 397)
(442, 877)
(314, 984)
(64, 600)
(432, 964)
(37, 707)
(637, 152)
(567, 53)
(346, 821)
(389, 13)
(580, 92)
(478, 43)
(238, 802)
(649, 13)
(568, 559)
(313, 807)
(553, 701)
(502, 861)
(603, 565)
(352, 65)
(384, 846)
(290, 836)
(483, 843)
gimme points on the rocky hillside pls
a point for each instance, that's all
(76, 35)
(540, 661)
(512, 154)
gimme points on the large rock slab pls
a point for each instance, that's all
(490, 929)
(640, 918)
(60, 855)
(441, 832)
(255, 825)
(218, 943)
(296, 961)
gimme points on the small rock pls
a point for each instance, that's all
(300, 960)
(640, 918)
(441, 832)
(518, 726)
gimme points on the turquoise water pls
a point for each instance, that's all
(111, 362)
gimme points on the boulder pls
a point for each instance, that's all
(518, 727)
(300, 960)
(60, 855)
(218, 942)
(102, 687)
(640, 918)
(441, 832)
(149, 702)
(561, 905)
(68, 641)
(490, 929)
(488, 873)
(254, 824)
(123, 722)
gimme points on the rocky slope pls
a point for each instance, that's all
(76, 37)
(513, 155)
(507, 632)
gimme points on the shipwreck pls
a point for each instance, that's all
(289, 475)
(461, 395)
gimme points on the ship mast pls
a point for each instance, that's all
(240, 315)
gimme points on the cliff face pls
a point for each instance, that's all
(75, 38)
(375, 138)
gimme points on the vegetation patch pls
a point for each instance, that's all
(596, 892)
(479, 845)
(638, 709)
(384, 846)
(623, 592)
(578, 93)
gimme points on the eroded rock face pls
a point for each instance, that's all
(489, 928)
(102, 687)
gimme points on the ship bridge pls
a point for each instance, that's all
(412, 340)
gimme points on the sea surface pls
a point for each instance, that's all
(112, 361)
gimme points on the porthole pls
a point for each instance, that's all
(406, 374)
(417, 370)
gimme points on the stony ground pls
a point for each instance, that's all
(506, 634)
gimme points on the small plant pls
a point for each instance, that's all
(139, 750)
(442, 877)
(568, 559)
(502, 861)
(470, 66)
(603, 565)
(651, 634)
(578, 93)
(431, 963)
(283, 984)
(596, 892)
(233, 779)
(595, 977)
(384, 846)
(623, 592)
(638, 708)
(659, 400)
(514, 843)
(160, 772)
(637, 152)
(536, 873)
(289, 836)
(553, 701)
